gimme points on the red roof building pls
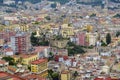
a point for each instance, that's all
(6, 76)
(39, 61)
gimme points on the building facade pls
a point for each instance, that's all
(20, 43)
(40, 67)
(81, 39)
(65, 75)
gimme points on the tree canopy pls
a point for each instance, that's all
(53, 75)
(108, 38)
(117, 16)
(38, 41)
(9, 59)
(74, 49)
(117, 33)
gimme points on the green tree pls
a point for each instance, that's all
(55, 76)
(93, 15)
(103, 43)
(118, 34)
(47, 18)
(117, 16)
(108, 38)
(38, 41)
(75, 74)
(51, 54)
(70, 44)
(53, 5)
(29, 68)
(33, 39)
(9, 59)
(75, 50)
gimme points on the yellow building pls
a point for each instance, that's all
(67, 31)
(65, 75)
(24, 27)
(91, 38)
(40, 67)
(25, 58)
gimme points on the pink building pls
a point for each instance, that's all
(81, 39)
(20, 43)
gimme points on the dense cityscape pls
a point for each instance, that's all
(59, 39)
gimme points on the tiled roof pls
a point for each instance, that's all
(33, 76)
(25, 55)
(2, 62)
(39, 61)
(6, 76)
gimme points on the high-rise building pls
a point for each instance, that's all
(20, 43)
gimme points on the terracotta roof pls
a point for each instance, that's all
(59, 56)
(5, 76)
(40, 48)
(12, 68)
(33, 76)
(39, 61)
(2, 62)
(65, 72)
(25, 55)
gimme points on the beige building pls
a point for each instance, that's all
(65, 75)
(91, 38)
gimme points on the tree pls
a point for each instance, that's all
(29, 68)
(50, 54)
(47, 18)
(38, 41)
(75, 50)
(53, 5)
(118, 34)
(117, 16)
(9, 59)
(108, 38)
(33, 39)
(103, 43)
(50, 74)
(75, 74)
(55, 76)
(93, 15)
(70, 44)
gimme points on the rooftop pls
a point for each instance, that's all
(40, 48)
(39, 61)
(33, 76)
(65, 72)
(24, 55)
(5, 76)
(2, 62)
